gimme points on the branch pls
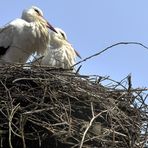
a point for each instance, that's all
(11, 115)
(120, 43)
(90, 124)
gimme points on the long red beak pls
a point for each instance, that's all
(50, 27)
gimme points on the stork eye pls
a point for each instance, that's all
(37, 11)
(63, 35)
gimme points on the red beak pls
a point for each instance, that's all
(50, 27)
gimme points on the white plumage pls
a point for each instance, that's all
(23, 37)
(60, 53)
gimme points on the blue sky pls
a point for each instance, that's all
(93, 25)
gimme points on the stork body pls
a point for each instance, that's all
(23, 37)
(60, 53)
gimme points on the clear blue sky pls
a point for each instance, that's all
(92, 25)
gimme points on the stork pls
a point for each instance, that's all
(24, 36)
(59, 53)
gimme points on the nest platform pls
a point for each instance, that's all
(47, 107)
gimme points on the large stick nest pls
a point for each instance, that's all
(46, 107)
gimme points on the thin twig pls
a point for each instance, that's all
(90, 124)
(109, 47)
(13, 111)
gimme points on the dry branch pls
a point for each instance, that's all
(47, 107)
(110, 47)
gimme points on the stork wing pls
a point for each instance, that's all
(69, 46)
(8, 32)
(6, 37)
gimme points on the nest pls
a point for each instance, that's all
(48, 107)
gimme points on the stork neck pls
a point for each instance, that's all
(42, 36)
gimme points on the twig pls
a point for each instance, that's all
(22, 123)
(129, 83)
(10, 122)
(36, 111)
(132, 90)
(90, 124)
(120, 43)
(20, 79)
(77, 71)
(7, 90)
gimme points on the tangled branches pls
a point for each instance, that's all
(47, 107)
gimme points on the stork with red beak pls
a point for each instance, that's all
(59, 53)
(23, 37)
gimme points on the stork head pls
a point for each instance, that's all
(61, 33)
(34, 14)
(59, 38)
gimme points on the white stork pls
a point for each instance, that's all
(23, 37)
(60, 53)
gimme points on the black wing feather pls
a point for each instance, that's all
(3, 50)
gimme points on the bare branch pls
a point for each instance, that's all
(109, 47)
